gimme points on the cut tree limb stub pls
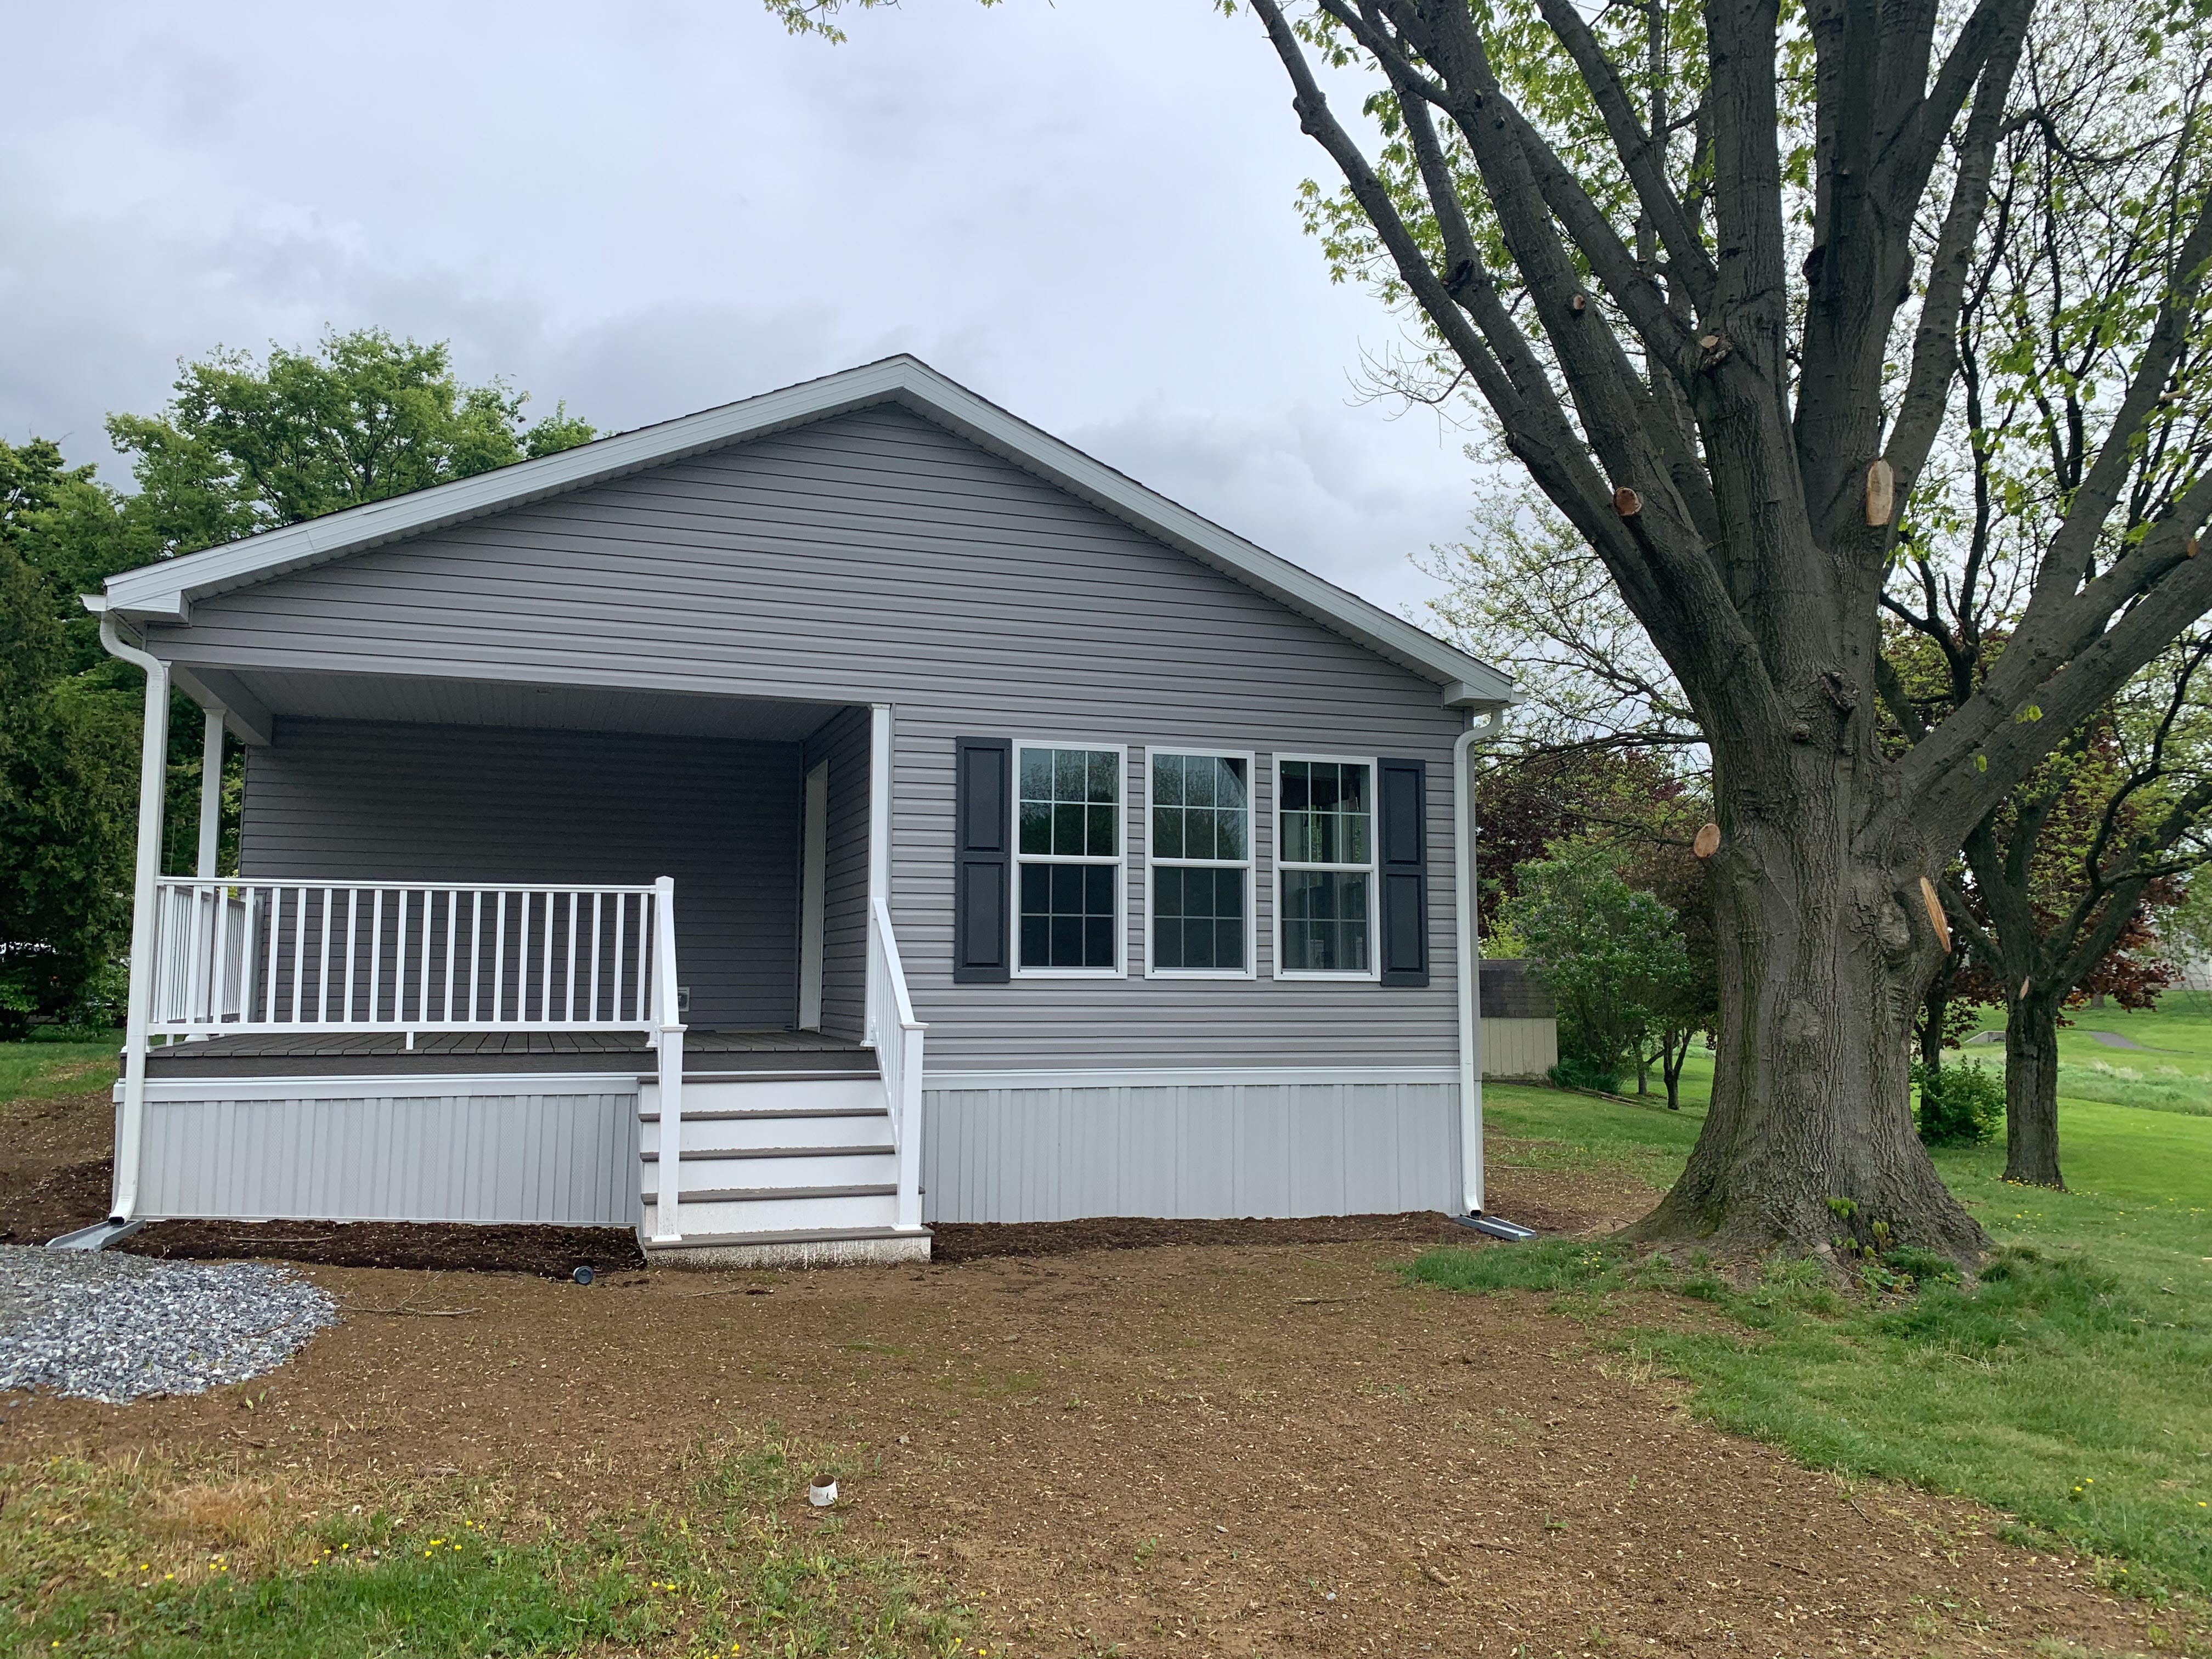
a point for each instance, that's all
(1708, 841)
(1935, 917)
(1627, 502)
(1880, 492)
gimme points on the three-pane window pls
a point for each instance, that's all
(1325, 863)
(1067, 845)
(1201, 855)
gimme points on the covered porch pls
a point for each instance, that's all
(452, 890)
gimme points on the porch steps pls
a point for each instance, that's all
(776, 1167)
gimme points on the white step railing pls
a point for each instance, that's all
(896, 1037)
(237, 956)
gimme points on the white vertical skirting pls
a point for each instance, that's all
(567, 1157)
(1028, 1150)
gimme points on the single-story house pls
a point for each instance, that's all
(788, 826)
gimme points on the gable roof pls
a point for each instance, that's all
(165, 592)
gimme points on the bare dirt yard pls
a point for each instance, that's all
(1223, 1448)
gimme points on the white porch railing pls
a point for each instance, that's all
(896, 1037)
(236, 956)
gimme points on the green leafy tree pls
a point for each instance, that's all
(1609, 953)
(241, 447)
(66, 741)
(245, 445)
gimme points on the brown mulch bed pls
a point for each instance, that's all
(45, 1207)
(548, 1251)
(54, 1161)
(956, 1241)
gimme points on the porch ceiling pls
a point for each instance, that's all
(499, 703)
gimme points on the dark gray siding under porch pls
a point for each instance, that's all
(878, 558)
(338, 800)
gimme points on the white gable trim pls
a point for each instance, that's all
(165, 592)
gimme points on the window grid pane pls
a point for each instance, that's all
(1198, 918)
(1200, 808)
(1067, 915)
(1325, 816)
(1200, 816)
(1071, 803)
(1069, 808)
(1325, 921)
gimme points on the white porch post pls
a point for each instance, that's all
(667, 1221)
(210, 795)
(152, 778)
(879, 841)
(879, 803)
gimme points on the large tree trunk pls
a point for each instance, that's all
(2031, 1091)
(1810, 1137)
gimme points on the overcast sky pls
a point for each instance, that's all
(1083, 210)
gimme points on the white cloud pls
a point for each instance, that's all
(1083, 209)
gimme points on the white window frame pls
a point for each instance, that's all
(1249, 864)
(1373, 972)
(1120, 862)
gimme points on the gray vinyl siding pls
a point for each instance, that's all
(875, 558)
(1190, 1150)
(846, 743)
(338, 799)
(564, 1159)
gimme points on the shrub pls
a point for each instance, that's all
(1575, 1072)
(1961, 1104)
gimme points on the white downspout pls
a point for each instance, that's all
(152, 778)
(1470, 960)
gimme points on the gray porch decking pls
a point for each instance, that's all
(385, 1053)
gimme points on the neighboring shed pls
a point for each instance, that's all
(1520, 1028)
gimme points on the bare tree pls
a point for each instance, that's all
(1684, 314)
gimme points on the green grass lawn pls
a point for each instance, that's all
(130, 1556)
(2170, 1071)
(2072, 1387)
(34, 1070)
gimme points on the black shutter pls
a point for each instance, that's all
(982, 821)
(1402, 840)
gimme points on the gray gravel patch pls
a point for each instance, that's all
(112, 1328)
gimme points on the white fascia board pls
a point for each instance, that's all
(165, 592)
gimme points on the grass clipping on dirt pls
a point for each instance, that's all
(130, 1556)
(2045, 1389)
